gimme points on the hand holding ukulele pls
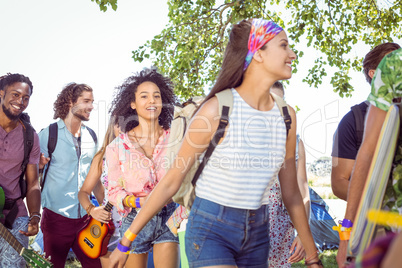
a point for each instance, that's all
(100, 214)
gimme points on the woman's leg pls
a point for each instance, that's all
(137, 261)
(166, 255)
(132, 260)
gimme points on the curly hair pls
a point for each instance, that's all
(127, 118)
(9, 79)
(69, 95)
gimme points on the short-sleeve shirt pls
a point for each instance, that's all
(66, 172)
(345, 143)
(11, 157)
(386, 88)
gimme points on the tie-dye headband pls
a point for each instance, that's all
(261, 32)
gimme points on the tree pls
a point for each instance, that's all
(191, 47)
(103, 4)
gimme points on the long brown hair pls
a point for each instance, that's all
(109, 137)
(231, 73)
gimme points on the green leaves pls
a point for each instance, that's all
(103, 4)
(191, 47)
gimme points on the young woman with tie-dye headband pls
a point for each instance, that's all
(228, 223)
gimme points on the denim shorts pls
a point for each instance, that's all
(219, 235)
(114, 240)
(155, 231)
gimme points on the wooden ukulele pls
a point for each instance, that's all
(94, 237)
(32, 258)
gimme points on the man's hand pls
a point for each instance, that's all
(43, 161)
(33, 227)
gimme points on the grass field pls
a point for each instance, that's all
(327, 258)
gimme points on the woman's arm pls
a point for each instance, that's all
(291, 194)
(116, 180)
(297, 246)
(92, 179)
(302, 178)
(197, 138)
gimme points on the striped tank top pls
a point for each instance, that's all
(240, 171)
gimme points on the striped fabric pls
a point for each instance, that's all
(240, 172)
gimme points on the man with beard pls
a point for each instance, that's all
(65, 173)
(15, 92)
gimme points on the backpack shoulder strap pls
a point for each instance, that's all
(225, 99)
(51, 146)
(93, 134)
(359, 122)
(220, 132)
(28, 134)
(52, 141)
(283, 108)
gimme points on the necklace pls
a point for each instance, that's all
(142, 148)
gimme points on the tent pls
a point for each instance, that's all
(321, 223)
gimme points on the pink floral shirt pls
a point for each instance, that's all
(130, 172)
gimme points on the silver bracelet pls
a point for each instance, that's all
(35, 215)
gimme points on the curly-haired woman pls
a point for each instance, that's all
(136, 161)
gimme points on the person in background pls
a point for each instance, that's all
(63, 216)
(97, 182)
(228, 222)
(137, 162)
(349, 134)
(15, 93)
(393, 256)
(285, 248)
(386, 89)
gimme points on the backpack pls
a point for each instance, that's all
(182, 115)
(51, 146)
(28, 133)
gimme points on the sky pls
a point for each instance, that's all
(55, 42)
